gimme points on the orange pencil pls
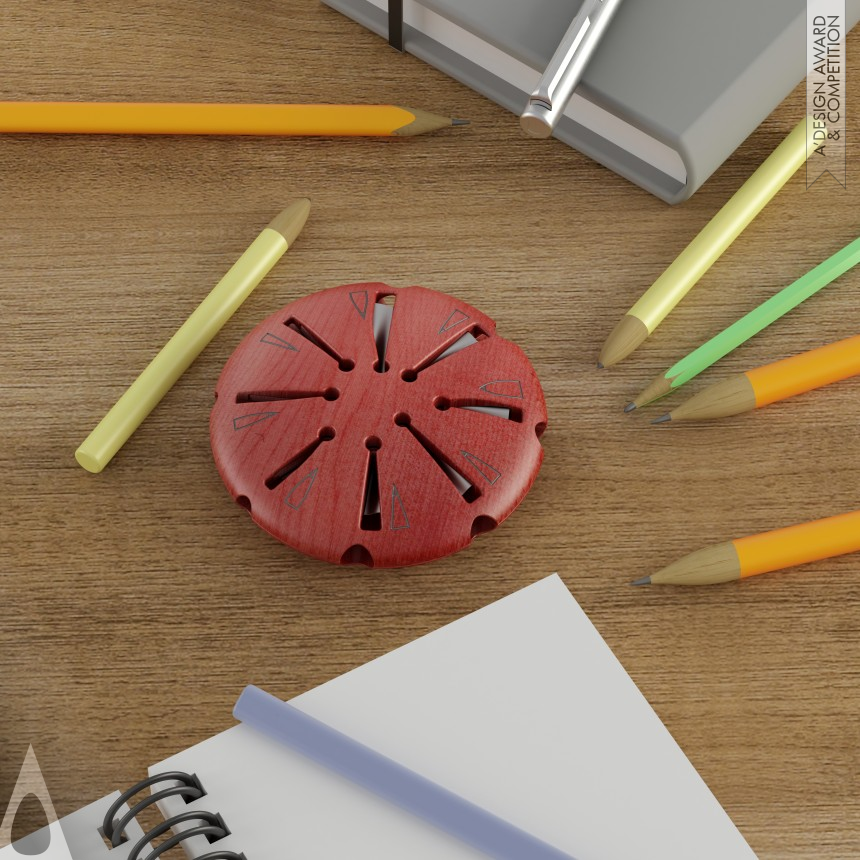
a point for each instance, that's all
(228, 119)
(771, 382)
(763, 553)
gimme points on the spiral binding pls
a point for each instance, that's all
(189, 788)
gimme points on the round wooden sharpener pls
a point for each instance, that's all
(380, 426)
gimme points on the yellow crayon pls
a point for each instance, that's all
(142, 396)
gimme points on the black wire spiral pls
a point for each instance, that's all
(210, 824)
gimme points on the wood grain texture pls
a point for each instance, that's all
(137, 603)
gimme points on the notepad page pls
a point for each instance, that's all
(520, 707)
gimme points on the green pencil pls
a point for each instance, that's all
(746, 327)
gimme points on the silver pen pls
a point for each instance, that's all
(567, 66)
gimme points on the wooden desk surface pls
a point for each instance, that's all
(137, 603)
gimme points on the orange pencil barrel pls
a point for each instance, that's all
(799, 544)
(807, 371)
(177, 118)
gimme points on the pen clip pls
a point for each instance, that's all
(563, 63)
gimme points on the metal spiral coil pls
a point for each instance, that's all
(209, 824)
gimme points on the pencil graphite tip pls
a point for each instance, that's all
(663, 418)
(456, 121)
(645, 580)
(629, 407)
(600, 365)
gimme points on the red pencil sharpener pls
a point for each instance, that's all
(379, 426)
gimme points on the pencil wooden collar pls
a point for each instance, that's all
(730, 397)
(763, 553)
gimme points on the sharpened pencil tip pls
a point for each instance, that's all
(646, 580)
(629, 407)
(663, 418)
(456, 121)
(600, 365)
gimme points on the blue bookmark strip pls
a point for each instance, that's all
(388, 779)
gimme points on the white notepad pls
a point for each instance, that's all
(520, 708)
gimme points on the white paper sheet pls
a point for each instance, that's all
(520, 707)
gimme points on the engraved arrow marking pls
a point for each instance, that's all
(300, 491)
(399, 518)
(504, 388)
(359, 301)
(251, 418)
(453, 321)
(487, 471)
(274, 340)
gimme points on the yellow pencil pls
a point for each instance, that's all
(192, 337)
(763, 553)
(227, 119)
(682, 275)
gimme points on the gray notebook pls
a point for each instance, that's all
(674, 88)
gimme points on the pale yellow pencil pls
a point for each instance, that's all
(715, 237)
(192, 337)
